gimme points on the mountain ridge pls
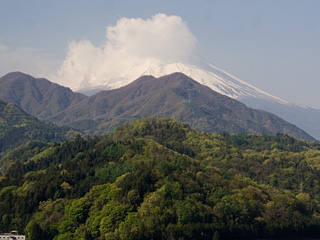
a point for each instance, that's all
(37, 96)
(181, 98)
(221, 81)
(176, 96)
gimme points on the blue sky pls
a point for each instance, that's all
(272, 44)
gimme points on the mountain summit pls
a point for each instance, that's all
(176, 96)
(203, 72)
(37, 96)
(218, 80)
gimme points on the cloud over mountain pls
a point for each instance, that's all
(131, 42)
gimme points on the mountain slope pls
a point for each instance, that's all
(202, 72)
(225, 83)
(220, 81)
(176, 96)
(17, 127)
(37, 96)
(305, 118)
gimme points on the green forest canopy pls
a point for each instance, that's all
(159, 179)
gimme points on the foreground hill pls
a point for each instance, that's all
(17, 127)
(37, 96)
(159, 179)
(176, 96)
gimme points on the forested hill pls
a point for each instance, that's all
(159, 179)
(175, 96)
(37, 96)
(17, 127)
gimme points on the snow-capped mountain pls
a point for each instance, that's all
(215, 78)
(218, 80)
(204, 73)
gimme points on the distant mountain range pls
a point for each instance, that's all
(176, 96)
(218, 80)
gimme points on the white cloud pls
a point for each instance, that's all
(129, 44)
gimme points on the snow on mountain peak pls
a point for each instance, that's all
(205, 73)
(156, 46)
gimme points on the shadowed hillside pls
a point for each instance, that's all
(37, 96)
(176, 96)
(17, 128)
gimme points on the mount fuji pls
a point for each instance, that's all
(215, 78)
(202, 72)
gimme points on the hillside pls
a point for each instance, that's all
(218, 80)
(176, 96)
(159, 179)
(37, 96)
(17, 128)
(304, 117)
